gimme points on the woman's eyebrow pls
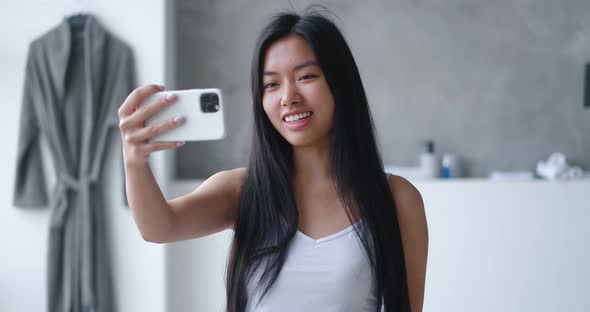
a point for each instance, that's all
(298, 67)
(308, 63)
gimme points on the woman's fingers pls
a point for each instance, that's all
(136, 97)
(145, 133)
(159, 146)
(150, 109)
(134, 133)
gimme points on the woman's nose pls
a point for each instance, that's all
(290, 94)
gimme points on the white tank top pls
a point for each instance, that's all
(331, 274)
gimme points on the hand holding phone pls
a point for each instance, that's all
(203, 110)
(151, 120)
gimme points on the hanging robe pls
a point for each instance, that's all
(74, 84)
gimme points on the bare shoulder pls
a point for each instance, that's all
(405, 194)
(237, 177)
(225, 182)
(210, 208)
(233, 177)
(232, 180)
(414, 232)
(238, 172)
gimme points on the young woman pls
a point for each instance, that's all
(319, 225)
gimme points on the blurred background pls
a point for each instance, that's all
(482, 105)
(499, 84)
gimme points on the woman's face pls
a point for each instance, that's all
(294, 86)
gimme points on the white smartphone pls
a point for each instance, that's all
(203, 110)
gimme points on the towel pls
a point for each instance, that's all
(556, 167)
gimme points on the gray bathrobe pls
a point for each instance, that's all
(74, 85)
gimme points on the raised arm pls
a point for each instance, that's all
(209, 209)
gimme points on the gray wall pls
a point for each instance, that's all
(499, 83)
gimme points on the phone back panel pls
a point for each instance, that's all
(199, 125)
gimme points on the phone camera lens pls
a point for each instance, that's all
(209, 102)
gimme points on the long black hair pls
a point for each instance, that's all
(267, 217)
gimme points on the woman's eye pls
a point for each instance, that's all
(307, 77)
(269, 85)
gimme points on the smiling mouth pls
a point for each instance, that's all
(297, 118)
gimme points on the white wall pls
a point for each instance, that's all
(139, 267)
(494, 246)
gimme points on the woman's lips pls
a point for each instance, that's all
(297, 125)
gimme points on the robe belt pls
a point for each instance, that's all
(74, 184)
(61, 204)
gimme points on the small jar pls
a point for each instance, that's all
(449, 167)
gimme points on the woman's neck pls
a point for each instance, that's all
(312, 163)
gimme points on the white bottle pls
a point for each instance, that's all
(430, 162)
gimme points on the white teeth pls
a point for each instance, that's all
(296, 117)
